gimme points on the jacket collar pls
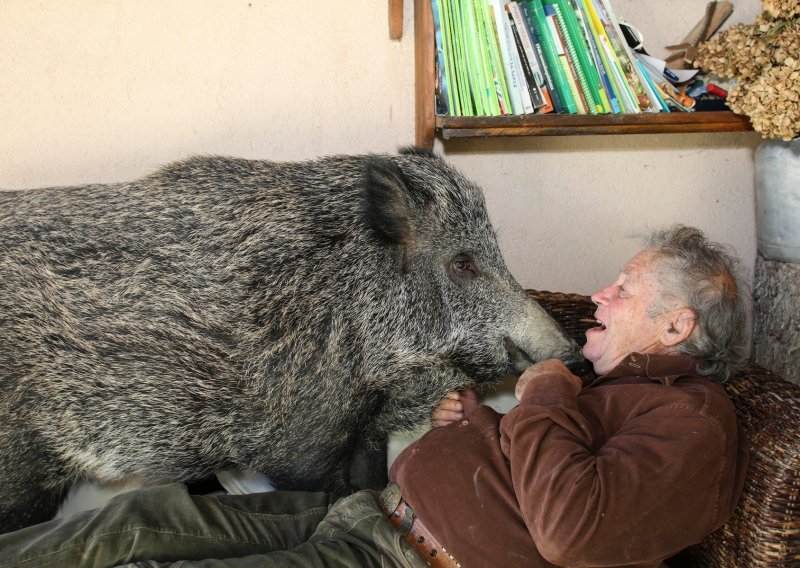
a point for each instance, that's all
(664, 369)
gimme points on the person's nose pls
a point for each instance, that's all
(600, 297)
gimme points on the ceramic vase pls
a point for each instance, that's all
(777, 172)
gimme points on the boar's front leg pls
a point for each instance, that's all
(368, 463)
(32, 485)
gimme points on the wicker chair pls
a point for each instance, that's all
(765, 529)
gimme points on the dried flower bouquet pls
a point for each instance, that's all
(764, 59)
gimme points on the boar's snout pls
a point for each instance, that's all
(575, 361)
(518, 358)
(572, 357)
(579, 367)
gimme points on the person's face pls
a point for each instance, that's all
(622, 312)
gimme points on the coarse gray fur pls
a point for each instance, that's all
(221, 312)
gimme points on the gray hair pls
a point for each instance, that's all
(704, 276)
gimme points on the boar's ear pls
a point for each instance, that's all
(417, 151)
(387, 202)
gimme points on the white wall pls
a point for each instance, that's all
(105, 90)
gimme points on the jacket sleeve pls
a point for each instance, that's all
(647, 492)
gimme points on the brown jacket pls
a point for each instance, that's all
(625, 471)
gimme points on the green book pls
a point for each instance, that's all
(551, 56)
(569, 45)
(482, 47)
(621, 50)
(460, 59)
(496, 59)
(584, 55)
(607, 93)
(566, 61)
(475, 75)
(618, 83)
(445, 17)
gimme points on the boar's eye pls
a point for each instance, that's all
(461, 268)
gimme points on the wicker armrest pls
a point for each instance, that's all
(765, 528)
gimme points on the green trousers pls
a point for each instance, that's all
(166, 526)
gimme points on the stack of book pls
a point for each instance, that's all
(499, 57)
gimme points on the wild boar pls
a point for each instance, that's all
(221, 312)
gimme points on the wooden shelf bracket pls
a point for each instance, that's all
(395, 19)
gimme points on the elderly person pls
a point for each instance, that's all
(624, 468)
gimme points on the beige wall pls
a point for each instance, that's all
(104, 90)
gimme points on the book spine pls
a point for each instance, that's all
(652, 89)
(625, 96)
(622, 52)
(530, 55)
(547, 86)
(555, 100)
(452, 72)
(497, 69)
(444, 102)
(533, 87)
(570, 13)
(474, 74)
(537, 47)
(580, 73)
(549, 48)
(566, 65)
(489, 92)
(460, 59)
(647, 103)
(608, 93)
(512, 69)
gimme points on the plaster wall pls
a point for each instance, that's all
(107, 90)
(100, 91)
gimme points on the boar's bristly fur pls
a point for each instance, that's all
(282, 316)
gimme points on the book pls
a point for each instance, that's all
(623, 55)
(551, 54)
(476, 72)
(615, 74)
(456, 34)
(588, 94)
(533, 74)
(519, 97)
(496, 68)
(537, 100)
(584, 54)
(565, 61)
(653, 91)
(496, 57)
(453, 76)
(472, 79)
(591, 42)
(444, 100)
(539, 53)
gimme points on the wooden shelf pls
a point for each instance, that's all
(570, 124)
(428, 123)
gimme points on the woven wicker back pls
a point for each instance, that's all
(765, 528)
(574, 312)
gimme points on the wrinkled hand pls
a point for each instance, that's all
(546, 367)
(454, 407)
